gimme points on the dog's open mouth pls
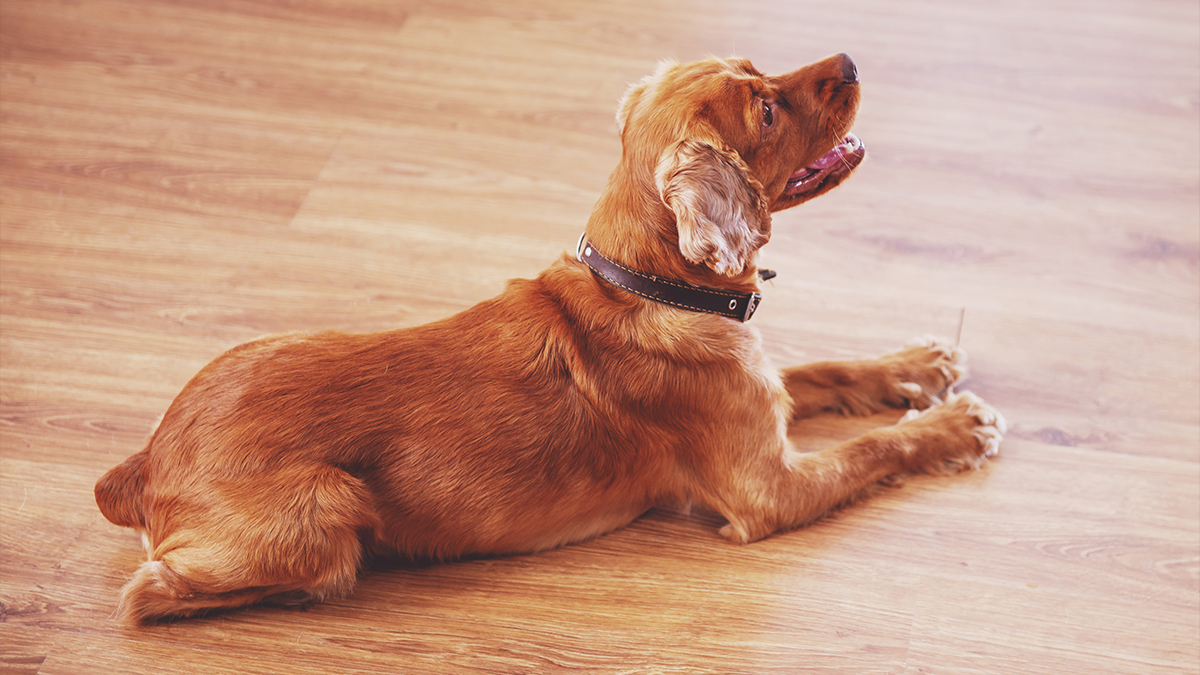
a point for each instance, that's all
(838, 161)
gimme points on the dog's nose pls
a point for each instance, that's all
(849, 70)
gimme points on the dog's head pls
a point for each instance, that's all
(728, 145)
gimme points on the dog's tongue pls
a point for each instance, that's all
(848, 145)
(811, 176)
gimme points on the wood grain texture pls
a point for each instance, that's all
(179, 177)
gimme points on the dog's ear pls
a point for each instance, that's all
(720, 209)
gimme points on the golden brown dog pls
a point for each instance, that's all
(561, 409)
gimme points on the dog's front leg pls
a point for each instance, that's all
(784, 490)
(917, 376)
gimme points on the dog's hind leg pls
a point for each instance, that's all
(917, 376)
(298, 541)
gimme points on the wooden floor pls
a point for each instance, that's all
(181, 176)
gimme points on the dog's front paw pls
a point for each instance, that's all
(957, 435)
(922, 373)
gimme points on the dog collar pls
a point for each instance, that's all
(740, 306)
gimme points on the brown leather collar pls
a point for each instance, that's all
(740, 306)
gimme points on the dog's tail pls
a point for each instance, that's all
(119, 492)
(156, 591)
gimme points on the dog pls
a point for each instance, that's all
(623, 377)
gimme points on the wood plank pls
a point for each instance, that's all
(24, 648)
(967, 628)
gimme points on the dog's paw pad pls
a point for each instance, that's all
(915, 395)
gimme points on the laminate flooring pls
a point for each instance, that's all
(179, 177)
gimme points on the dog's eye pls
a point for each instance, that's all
(768, 115)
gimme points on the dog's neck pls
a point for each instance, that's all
(633, 226)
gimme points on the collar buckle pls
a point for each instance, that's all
(752, 306)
